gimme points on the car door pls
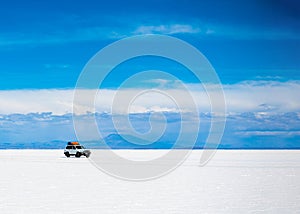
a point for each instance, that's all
(73, 150)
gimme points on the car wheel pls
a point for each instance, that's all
(87, 155)
(78, 154)
(67, 154)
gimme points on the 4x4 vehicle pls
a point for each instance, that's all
(77, 150)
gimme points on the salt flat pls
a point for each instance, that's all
(234, 181)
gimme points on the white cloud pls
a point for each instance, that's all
(166, 29)
(27, 101)
(100, 33)
(268, 133)
(96, 33)
(213, 30)
(251, 96)
(263, 96)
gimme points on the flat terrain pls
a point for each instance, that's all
(234, 181)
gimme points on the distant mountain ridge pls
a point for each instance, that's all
(116, 141)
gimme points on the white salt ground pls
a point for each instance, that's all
(234, 181)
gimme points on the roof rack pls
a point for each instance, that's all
(73, 143)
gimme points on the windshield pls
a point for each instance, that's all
(78, 147)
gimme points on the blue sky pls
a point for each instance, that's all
(253, 45)
(46, 44)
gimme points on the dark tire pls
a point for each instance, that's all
(67, 154)
(87, 155)
(78, 154)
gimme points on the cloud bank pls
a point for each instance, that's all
(260, 114)
(248, 96)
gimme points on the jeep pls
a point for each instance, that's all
(77, 150)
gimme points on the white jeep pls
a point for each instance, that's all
(77, 150)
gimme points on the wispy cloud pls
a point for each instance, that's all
(252, 33)
(95, 33)
(60, 37)
(167, 29)
(56, 66)
(102, 33)
(220, 31)
(268, 133)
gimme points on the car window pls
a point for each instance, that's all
(69, 147)
(78, 147)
